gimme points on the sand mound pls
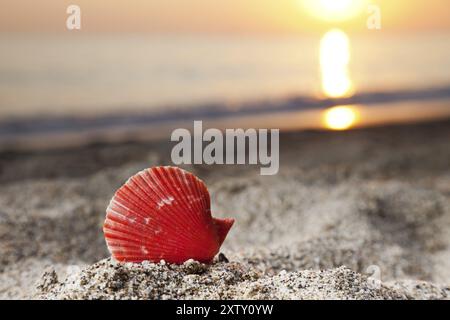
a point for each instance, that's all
(192, 280)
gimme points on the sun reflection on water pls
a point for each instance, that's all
(334, 64)
(335, 58)
(340, 117)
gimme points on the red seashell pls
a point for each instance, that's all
(163, 213)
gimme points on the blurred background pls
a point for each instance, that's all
(137, 67)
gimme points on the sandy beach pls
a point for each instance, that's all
(347, 209)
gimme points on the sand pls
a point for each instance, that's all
(363, 214)
(111, 280)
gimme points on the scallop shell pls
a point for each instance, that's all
(163, 213)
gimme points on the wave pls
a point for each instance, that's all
(213, 111)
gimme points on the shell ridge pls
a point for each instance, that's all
(193, 229)
(203, 191)
(163, 222)
(138, 198)
(195, 218)
(174, 211)
(203, 196)
(182, 199)
(192, 195)
(185, 184)
(195, 192)
(118, 221)
(141, 192)
(133, 198)
(200, 200)
(121, 237)
(154, 187)
(126, 210)
(146, 187)
(129, 233)
(159, 242)
(197, 188)
(115, 210)
(174, 179)
(203, 235)
(151, 227)
(124, 243)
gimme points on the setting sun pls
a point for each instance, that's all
(335, 10)
(340, 118)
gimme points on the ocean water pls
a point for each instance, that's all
(57, 91)
(76, 75)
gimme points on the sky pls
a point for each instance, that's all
(212, 16)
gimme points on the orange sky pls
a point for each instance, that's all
(211, 16)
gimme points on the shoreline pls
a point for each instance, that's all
(436, 98)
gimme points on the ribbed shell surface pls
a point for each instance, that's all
(162, 213)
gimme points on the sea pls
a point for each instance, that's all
(54, 83)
